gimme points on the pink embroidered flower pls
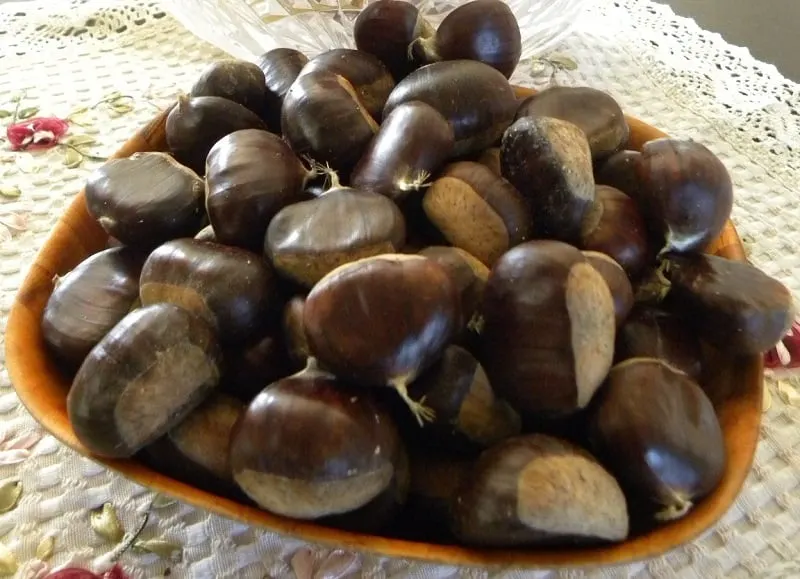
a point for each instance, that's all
(37, 133)
(115, 572)
(16, 447)
(786, 353)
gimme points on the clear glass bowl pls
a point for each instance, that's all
(248, 28)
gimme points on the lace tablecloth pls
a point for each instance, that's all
(109, 65)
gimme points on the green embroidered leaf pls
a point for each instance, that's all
(45, 549)
(10, 493)
(4, 114)
(80, 140)
(105, 523)
(72, 158)
(160, 547)
(162, 502)
(562, 61)
(10, 191)
(8, 562)
(27, 112)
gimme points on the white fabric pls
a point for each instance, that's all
(662, 68)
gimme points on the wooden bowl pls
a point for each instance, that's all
(736, 391)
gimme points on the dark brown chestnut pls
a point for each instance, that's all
(145, 199)
(482, 30)
(656, 430)
(90, 300)
(281, 67)
(250, 176)
(323, 117)
(685, 193)
(478, 211)
(468, 274)
(476, 100)
(293, 331)
(310, 446)
(231, 288)
(249, 367)
(142, 379)
(733, 305)
(382, 321)
(548, 334)
(491, 158)
(538, 490)
(237, 80)
(614, 225)
(307, 240)
(617, 280)
(593, 111)
(412, 144)
(206, 234)
(196, 123)
(619, 171)
(549, 162)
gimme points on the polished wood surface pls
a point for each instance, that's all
(737, 389)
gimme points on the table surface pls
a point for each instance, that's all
(109, 65)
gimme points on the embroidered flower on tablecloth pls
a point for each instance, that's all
(116, 572)
(786, 353)
(335, 565)
(37, 133)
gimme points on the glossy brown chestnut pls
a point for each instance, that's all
(293, 331)
(614, 225)
(475, 99)
(468, 274)
(619, 171)
(548, 335)
(478, 211)
(281, 67)
(593, 111)
(250, 367)
(383, 320)
(231, 288)
(733, 305)
(322, 117)
(537, 489)
(413, 143)
(145, 199)
(237, 80)
(206, 234)
(657, 432)
(482, 30)
(307, 240)
(491, 158)
(142, 379)
(549, 162)
(90, 300)
(250, 176)
(196, 123)
(618, 283)
(311, 446)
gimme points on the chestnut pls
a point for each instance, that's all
(619, 172)
(196, 123)
(685, 193)
(595, 112)
(206, 234)
(491, 158)
(549, 162)
(236, 80)
(368, 76)
(733, 305)
(478, 211)
(88, 301)
(538, 490)
(142, 379)
(231, 288)
(293, 331)
(382, 321)
(656, 430)
(249, 367)
(323, 117)
(482, 30)
(310, 446)
(468, 274)
(281, 67)
(307, 240)
(386, 28)
(476, 100)
(617, 280)
(250, 176)
(614, 225)
(145, 199)
(412, 144)
(549, 325)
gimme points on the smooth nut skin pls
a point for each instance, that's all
(481, 30)
(619, 171)
(468, 274)
(145, 199)
(293, 331)
(195, 124)
(148, 373)
(475, 99)
(232, 288)
(250, 176)
(734, 306)
(656, 430)
(368, 76)
(90, 300)
(248, 367)
(685, 193)
(549, 162)
(595, 112)
(413, 143)
(310, 446)
(548, 335)
(618, 283)
(322, 117)
(307, 240)
(538, 490)
(206, 234)
(236, 80)
(281, 67)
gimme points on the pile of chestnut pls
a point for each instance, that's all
(377, 290)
